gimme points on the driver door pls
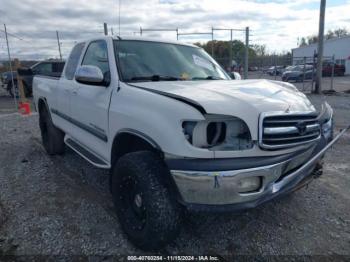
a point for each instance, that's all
(90, 103)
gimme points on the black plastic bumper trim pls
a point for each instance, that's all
(225, 164)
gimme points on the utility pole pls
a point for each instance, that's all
(120, 6)
(246, 55)
(13, 82)
(59, 44)
(231, 51)
(318, 88)
(112, 31)
(105, 28)
(212, 42)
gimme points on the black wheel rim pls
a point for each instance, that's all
(132, 203)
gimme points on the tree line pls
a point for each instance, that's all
(312, 39)
(232, 54)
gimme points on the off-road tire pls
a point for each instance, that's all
(52, 137)
(158, 219)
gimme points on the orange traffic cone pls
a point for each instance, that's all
(24, 108)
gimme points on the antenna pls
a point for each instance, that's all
(119, 1)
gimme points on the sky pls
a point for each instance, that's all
(32, 24)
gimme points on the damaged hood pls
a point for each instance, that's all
(245, 99)
(230, 97)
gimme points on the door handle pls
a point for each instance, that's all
(74, 92)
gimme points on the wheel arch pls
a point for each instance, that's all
(42, 103)
(129, 140)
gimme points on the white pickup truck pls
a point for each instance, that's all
(177, 133)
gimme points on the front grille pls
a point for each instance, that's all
(285, 130)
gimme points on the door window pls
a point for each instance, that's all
(97, 55)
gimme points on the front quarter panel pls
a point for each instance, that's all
(157, 117)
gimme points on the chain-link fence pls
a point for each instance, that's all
(300, 71)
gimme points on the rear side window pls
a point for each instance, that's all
(73, 61)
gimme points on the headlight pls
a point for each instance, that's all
(221, 133)
(326, 121)
(327, 129)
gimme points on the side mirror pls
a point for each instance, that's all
(235, 76)
(90, 75)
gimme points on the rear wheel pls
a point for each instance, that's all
(52, 137)
(148, 212)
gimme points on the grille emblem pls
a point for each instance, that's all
(301, 127)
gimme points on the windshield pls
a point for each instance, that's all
(155, 61)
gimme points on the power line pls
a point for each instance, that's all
(15, 36)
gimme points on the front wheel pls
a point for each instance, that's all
(147, 210)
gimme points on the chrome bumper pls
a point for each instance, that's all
(220, 188)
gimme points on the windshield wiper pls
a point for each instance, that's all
(154, 78)
(207, 78)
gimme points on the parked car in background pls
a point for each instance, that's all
(6, 81)
(47, 68)
(339, 70)
(275, 70)
(253, 68)
(297, 73)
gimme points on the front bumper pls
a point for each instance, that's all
(217, 190)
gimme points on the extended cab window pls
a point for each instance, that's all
(97, 55)
(73, 61)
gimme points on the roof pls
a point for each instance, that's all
(325, 41)
(132, 38)
(151, 39)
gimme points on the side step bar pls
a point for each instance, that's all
(86, 154)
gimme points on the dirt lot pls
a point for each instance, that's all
(62, 206)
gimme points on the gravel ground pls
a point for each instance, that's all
(62, 206)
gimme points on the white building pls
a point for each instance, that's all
(339, 47)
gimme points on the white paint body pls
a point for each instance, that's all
(114, 110)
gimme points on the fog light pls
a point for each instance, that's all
(249, 184)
